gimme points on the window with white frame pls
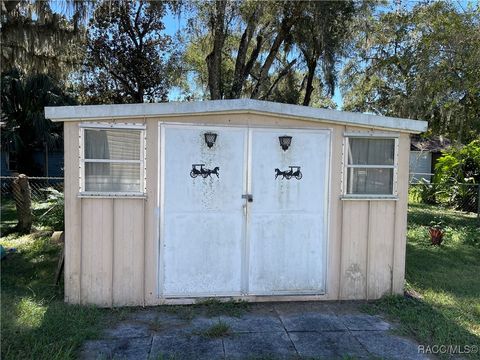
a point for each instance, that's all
(112, 159)
(371, 166)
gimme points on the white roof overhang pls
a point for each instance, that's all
(172, 109)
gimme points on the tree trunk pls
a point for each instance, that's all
(312, 65)
(282, 34)
(23, 202)
(462, 122)
(138, 96)
(280, 76)
(240, 74)
(214, 59)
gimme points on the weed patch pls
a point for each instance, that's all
(220, 329)
(215, 307)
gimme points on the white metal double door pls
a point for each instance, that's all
(251, 230)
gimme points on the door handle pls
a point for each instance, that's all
(249, 197)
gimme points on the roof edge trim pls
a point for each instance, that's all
(175, 109)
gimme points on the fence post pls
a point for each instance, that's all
(22, 195)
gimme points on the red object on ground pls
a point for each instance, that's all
(436, 236)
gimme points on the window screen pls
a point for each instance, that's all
(370, 166)
(113, 160)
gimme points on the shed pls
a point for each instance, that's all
(238, 199)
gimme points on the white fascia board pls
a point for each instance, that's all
(172, 109)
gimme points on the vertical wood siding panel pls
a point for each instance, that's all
(380, 248)
(354, 250)
(128, 252)
(151, 215)
(73, 217)
(334, 240)
(401, 215)
(97, 251)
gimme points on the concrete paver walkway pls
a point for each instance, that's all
(274, 331)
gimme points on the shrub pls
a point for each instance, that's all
(423, 192)
(54, 216)
(456, 167)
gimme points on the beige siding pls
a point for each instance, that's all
(151, 215)
(128, 252)
(334, 247)
(374, 238)
(104, 246)
(354, 250)
(73, 217)
(112, 244)
(399, 245)
(381, 223)
(97, 251)
(368, 235)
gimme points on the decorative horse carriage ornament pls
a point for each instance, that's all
(203, 172)
(288, 174)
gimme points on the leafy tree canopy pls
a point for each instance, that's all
(36, 39)
(25, 128)
(422, 63)
(285, 51)
(128, 59)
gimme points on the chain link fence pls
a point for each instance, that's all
(45, 196)
(454, 208)
(459, 197)
(39, 187)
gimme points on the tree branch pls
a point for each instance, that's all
(239, 73)
(281, 75)
(285, 27)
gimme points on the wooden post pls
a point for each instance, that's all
(59, 238)
(23, 202)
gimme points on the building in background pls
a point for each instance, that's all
(46, 164)
(424, 154)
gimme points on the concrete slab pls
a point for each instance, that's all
(346, 307)
(126, 348)
(273, 331)
(167, 323)
(385, 345)
(186, 347)
(285, 308)
(169, 317)
(364, 322)
(275, 345)
(128, 330)
(312, 322)
(251, 323)
(143, 315)
(201, 324)
(94, 349)
(328, 345)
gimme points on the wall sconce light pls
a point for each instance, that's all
(210, 139)
(285, 142)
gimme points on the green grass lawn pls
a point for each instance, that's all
(40, 208)
(8, 214)
(447, 278)
(35, 322)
